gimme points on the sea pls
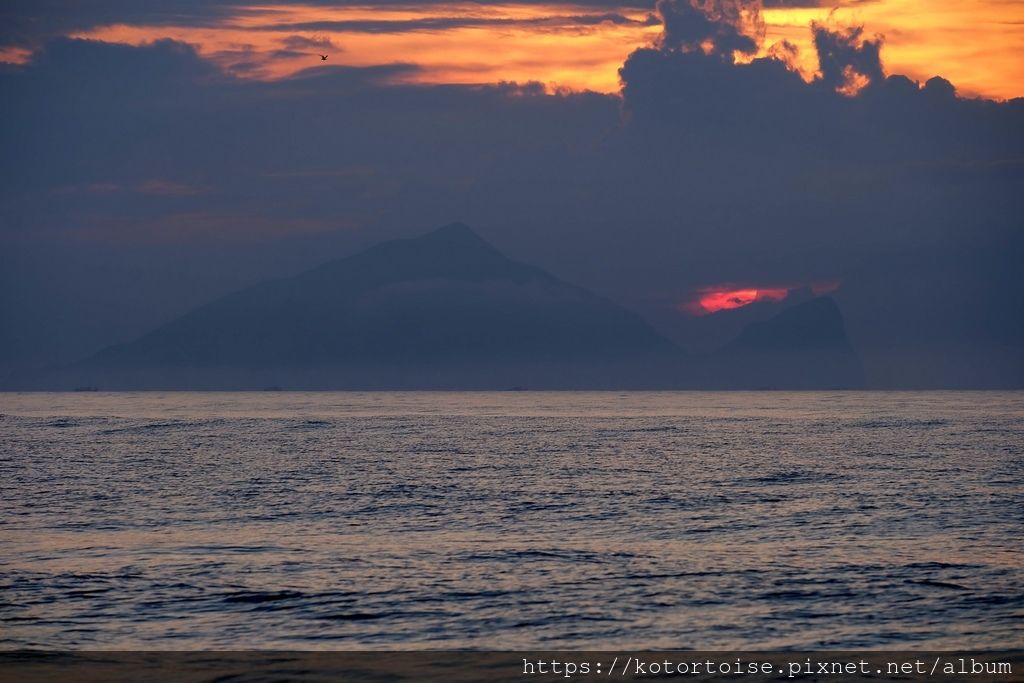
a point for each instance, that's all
(511, 520)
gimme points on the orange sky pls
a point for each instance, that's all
(973, 43)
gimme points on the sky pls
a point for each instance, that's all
(974, 43)
(698, 162)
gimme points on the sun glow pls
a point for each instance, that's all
(714, 300)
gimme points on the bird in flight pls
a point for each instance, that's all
(323, 58)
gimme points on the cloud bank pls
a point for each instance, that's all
(140, 181)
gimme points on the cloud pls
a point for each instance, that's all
(33, 22)
(445, 23)
(719, 27)
(578, 45)
(299, 42)
(848, 62)
(704, 171)
(154, 186)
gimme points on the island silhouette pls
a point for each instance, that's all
(447, 310)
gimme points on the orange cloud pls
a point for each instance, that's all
(14, 55)
(973, 43)
(560, 46)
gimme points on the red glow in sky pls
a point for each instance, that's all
(720, 300)
(716, 298)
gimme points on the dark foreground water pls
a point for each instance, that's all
(512, 520)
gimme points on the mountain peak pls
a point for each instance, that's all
(813, 324)
(454, 234)
(444, 309)
(456, 229)
(803, 347)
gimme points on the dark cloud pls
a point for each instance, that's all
(309, 42)
(815, 3)
(444, 23)
(719, 27)
(845, 58)
(138, 182)
(31, 22)
(887, 187)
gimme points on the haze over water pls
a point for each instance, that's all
(511, 520)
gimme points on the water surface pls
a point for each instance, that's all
(511, 520)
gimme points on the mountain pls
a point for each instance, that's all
(443, 310)
(803, 347)
(709, 332)
(447, 310)
(815, 325)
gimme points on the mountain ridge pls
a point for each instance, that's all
(441, 309)
(446, 309)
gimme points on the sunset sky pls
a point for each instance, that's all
(699, 161)
(973, 43)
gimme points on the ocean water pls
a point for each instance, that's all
(511, 520)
